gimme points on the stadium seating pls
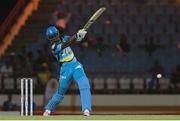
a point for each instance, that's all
(0, 82)
(164, 83)
(125, 83)
(98, 83)
(138, 83)
(9, 83)
(111, 83)
(158, 19)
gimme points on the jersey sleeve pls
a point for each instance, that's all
(56, 48)
(65, 38)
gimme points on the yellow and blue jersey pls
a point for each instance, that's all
(62, 55)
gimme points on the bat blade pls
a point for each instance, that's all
(96, 15)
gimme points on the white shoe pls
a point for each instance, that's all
(47, 113)
(86, 112)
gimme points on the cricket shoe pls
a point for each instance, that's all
(86, 112)
(47, 113)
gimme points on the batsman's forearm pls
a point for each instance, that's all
(69, 42)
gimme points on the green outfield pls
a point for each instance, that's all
(94, 117)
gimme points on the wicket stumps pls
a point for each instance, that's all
(26, 96)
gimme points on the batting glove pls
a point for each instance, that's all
(81, 34)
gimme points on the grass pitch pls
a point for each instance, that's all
(93, 117)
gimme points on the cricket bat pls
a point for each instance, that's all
(93, 18)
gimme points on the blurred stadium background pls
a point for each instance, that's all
(131, 54)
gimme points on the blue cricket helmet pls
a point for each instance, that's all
(52, 33)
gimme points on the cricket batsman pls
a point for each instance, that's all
(71, 69)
